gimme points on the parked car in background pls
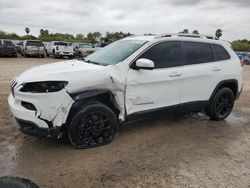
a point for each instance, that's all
(60, 49)
(19, 46)
(246, 59)
(7, 48)
(33, 48)
(83, 49)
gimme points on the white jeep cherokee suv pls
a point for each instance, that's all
(132, 78)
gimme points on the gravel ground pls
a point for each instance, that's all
(172, 151)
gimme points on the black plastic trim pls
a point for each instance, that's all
(177, 109)
(220, 84)
(30, 128)
(83, 97)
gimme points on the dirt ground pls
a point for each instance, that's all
(175, 151)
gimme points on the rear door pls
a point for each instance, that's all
(158, 88)
(200, 73)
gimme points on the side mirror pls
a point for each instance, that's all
(144, 64)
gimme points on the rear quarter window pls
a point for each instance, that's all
(198, 53)
(220, 53)
(7, 42)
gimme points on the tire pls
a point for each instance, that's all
(221, 105)
(16, 182)
(54, 55)
(94, 125)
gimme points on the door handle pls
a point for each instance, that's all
(216, 69)
(175, 74)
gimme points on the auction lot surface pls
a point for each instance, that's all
(174, 151)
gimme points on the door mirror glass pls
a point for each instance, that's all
(143, 63)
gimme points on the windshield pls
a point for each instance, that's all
(115, 52)
(60, 44)
(34, 43)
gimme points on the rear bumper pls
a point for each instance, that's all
(64, 53)
(34, 53)
(8, 52)
(239, 93)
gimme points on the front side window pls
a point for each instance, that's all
(165, 55)
(198, 53)
(115, 52)
(219, 53)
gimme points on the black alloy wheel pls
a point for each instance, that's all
(93, 126)
(221, 105)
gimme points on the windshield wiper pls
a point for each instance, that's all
(92, 62)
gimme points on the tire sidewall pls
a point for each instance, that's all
(213, 115)
(88, 108)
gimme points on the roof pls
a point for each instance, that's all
(175, 36)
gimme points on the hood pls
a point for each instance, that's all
(56, 71)
(79, 74)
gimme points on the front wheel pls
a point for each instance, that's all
(221, 105)
(94, 125)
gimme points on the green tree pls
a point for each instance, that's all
(196, 32)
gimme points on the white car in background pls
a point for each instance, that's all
(133, 78)
(84, 49)
(60, 49)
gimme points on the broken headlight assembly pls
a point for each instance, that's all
(43, 87)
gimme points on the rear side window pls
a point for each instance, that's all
(60, 44)
(34, 43)
(164, 55)
(198, 53)
(7, 42)
(219, 53)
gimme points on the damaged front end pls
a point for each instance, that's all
(40, 108)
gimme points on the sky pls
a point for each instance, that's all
(134, 16)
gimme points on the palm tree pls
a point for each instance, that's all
(218, 33)
(27, 30)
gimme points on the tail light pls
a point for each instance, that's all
(242, 63)
(56, 47)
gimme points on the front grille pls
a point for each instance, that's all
(12, 86)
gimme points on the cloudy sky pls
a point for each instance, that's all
(135, 16)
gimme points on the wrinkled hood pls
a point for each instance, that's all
(79, 75)
(56, 71)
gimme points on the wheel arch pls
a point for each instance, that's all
(105, 97)
(231, 84)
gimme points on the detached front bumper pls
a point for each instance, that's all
(49, 113)
(32, 129)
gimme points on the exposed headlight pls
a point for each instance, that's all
(43, 87)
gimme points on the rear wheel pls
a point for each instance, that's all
(94, 125)
(221, 105)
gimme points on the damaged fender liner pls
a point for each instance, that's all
(32, 129)
(104, 96)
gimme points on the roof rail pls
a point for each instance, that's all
(186, 35)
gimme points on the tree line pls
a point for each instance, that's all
(109, 37)
(45, 35)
